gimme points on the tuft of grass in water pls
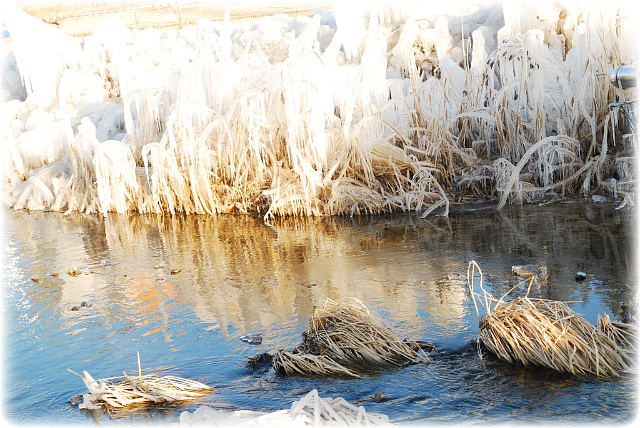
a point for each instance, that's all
(134, 392)
(550, 334)
(344, 335)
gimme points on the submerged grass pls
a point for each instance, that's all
(299, 364)
(550, 334)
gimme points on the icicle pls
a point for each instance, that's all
(42, 53)
(237, 117)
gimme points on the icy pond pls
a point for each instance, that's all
(239, 275)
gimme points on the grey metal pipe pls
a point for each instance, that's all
(624, 76)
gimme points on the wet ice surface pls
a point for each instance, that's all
(239, 279)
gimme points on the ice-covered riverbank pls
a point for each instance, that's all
(372, 107)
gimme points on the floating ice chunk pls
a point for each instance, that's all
(87, 402)
(252, 339)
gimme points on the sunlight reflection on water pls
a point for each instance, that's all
(183, 289)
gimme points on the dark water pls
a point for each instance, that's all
(239, 275)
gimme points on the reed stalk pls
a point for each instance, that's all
(231, 130)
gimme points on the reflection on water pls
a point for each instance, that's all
(183, 289)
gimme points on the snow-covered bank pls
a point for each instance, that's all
(373, 107)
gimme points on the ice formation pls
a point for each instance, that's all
(376, 106)
(312, 410)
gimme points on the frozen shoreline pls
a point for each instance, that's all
(367, 108)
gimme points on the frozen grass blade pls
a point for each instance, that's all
(310, 410)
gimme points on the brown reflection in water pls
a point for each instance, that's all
(239, 271)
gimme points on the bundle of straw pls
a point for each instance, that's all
(550, 334)
(622, 334)
(349, 333)
(345, 333)
(125, 391)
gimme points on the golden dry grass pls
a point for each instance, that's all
(138, 391)
(549, 333)
(304, 134)
(349, 333)
(296, 364)
(345, 334)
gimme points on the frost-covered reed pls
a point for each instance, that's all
(381, 107)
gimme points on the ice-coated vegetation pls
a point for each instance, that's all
(371, 107)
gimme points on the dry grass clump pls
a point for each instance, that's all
(345, 333)
(623, 334)
(139, 391)
(349, 333)
(550, 334)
